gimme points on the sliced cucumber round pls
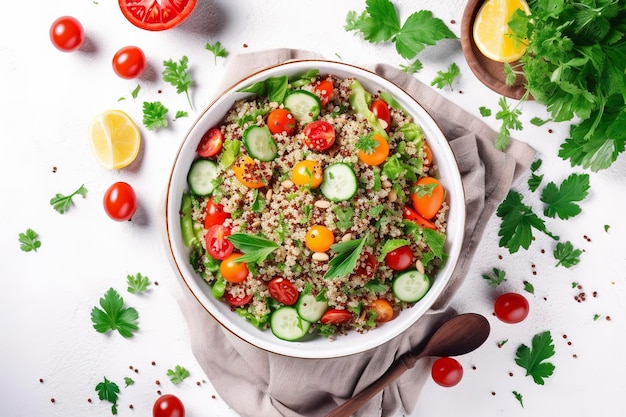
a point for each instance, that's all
(202, 176)
(259, 143)
(311, 309)
(304, 105)
(339, 182)
(410, 286)
(286, 324)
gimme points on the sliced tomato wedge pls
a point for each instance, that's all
(410, 214)
(319, 135)
(211, 143)
(214, 214)
(237, 301)
(324, 90)
(156, 15)
(217, 244)
(336, 316)
(381, 111)
(283, 291)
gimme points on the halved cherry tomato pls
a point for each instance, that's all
(366, 266)
(383, 309)
(319, 135)
(234, 271)
(120, 201)
(247, 172)
(307, 173)
(336, 316)
(428, 153)
(319, 238)
(217, 244)
(67, 34)
(410, 214)
(214, 214)
(237, 301)
(283, 291)
(381, 111)
(377, 153)
(129, 62)
(281, 121)
(399, 259)
(156, 15)
(324, 90)
(446, 371)
(427, 203)
(511, 307)
(211, 143)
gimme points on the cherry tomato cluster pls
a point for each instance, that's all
(67, 34)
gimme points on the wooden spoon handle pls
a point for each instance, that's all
(395, 370)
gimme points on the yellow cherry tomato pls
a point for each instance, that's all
(319, 238)
(307, 173)
(375, 153)
(232, 270)
(247, 173)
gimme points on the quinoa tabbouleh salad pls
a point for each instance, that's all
(314, 207)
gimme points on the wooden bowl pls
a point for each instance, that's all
(488, 71)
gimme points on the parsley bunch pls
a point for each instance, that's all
(575, 64)
(380, 23)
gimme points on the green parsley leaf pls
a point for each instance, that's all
(378, 23)
(154, 115)
(534, 181)
(519, 398)
(137, 283)
(128, 382)
(367, 144)
(413, 67)
(180, 114)
(532, 359)
(62, 203)
(566, 254)
(178, 374)
(510, 120)
(484, 111)
(390, 245)
(255, 249)
(178, 75)
(561, 200)
(537, 121)
(606, 228)
(495, 279)
(419, 30)
(529, 288)
(113, 315)
(446, 78)
(107, 391)
(510, 76)
(346, 257)
(518, 220)
(135, 92)
(344, 217)
(435, 241)
(29, 241)
(217, 49)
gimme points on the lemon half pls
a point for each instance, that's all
(115, 139)
(491, 30)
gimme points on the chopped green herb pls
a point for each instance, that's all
(529, 288)
(107, 391)
(344, 217)
(446, 78)
(128, 381)
(62, 203)
(537, 121)
(178, 75)
(154, 115)
(180, 113)
(533, 359)
(135, 92)
(413, 67)
(178, 374)
(510, 120)
(566, 255)
(496, 278)
(137, 283)
(29, 241)
(606, 228)
(217, 50)
(596, 317)
(561, 200)
(345, 259)
(519, 398)
(255, 249)
(113, 315)
(484, 111)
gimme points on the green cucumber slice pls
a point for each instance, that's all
(304, 105)
(286, 324)
(311, 309)
(339, 182)
(259, 143)
(410, 286)
(202, 175)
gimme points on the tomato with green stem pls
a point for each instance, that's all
(283, 291)
(383, 309)
(217, 243)
(210, 143)
(168, 405)
(67, 34)
(373, 150)
(281, 121)
(129, 62)
(232, 270)
(427, 197)
(446, 371)
(120, 201)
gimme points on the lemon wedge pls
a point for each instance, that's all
(491, 30)
(115, 139)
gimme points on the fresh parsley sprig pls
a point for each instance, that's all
(217, 50)
(561, 200)
(533, 358)
(108, 391)
(113, 315)
(137, 283)
(446, 78)
(154, 115)
(62, 203)
(496, 278)
(178, 374)
(178, 75)
(29, 241)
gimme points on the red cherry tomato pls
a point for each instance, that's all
(237, 301)
(381, 111)
(447, 371)
(336, 316)
(234, 271)
(217, 244)
(319, 135)
(211, 143)
(511, 307)
(129, 62)
(324, 90)
(399, 259)
(67, 34)
(283, 291)
(120, 202)
(281, 120)
(156, 15)
(214, 214)
(410, 214)
(367, 266)
(168, 405)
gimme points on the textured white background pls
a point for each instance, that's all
(48, 98)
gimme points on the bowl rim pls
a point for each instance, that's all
(298, 349)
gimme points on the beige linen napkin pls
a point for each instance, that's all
(258, 383)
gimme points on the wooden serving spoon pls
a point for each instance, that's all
(457, 336)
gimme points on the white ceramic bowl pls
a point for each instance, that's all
(318, 347)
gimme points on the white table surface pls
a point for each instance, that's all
(48, 97)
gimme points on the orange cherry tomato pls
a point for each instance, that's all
(428, 197)
(324, 90)
(410, 214)
(428, 154)
(319, 238)
(383, 309)
(246, 171)
(234, 271)
(307, 173)
(377, 153)
(281, 121)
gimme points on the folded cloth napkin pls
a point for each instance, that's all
(256, 383)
